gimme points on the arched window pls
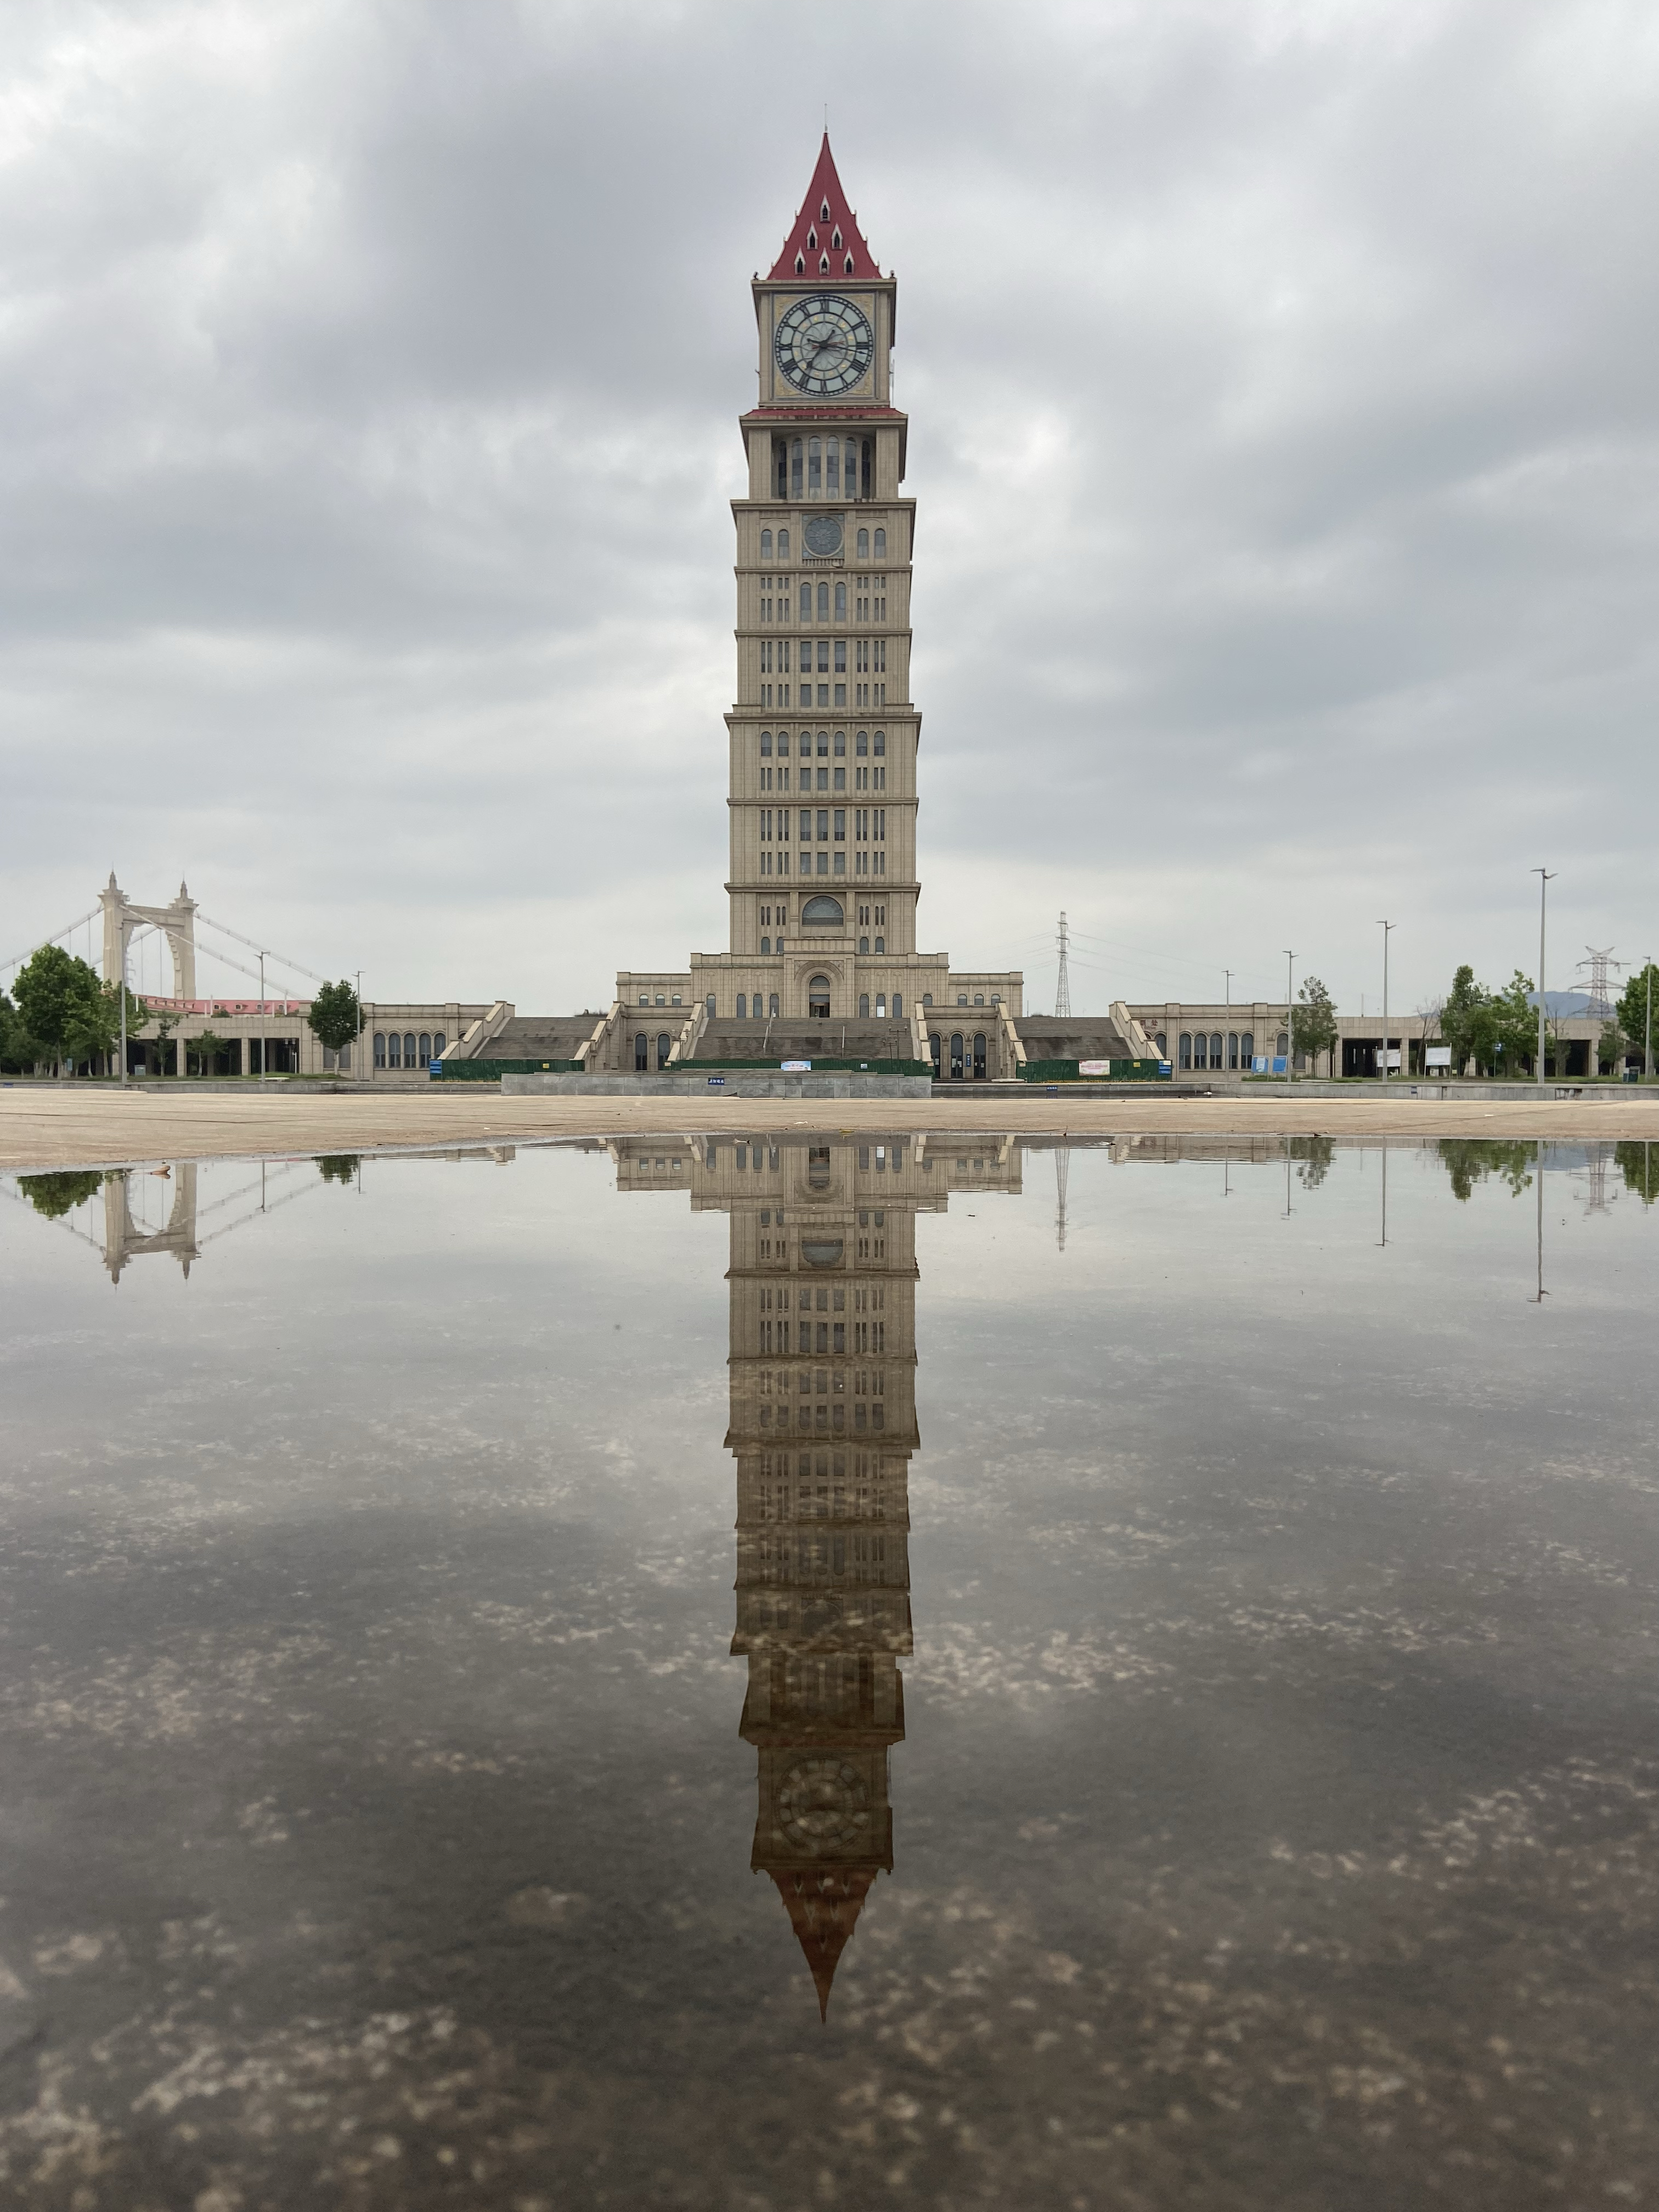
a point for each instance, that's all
(794, 468)
(822, 913)
(814, 466)
(852, 451)
(1232, 1049)
(664, 1046)
(781, 467)
(772, 1003)
(979, 998)
(742, 1007)
(823, 745)
(866, 455)
(840, 603)
(927, 998)
(881, 742)
(864, 1006)
(394, 1050)
(1163, 1046)
(409, 1049)
(1283, 1045)
(766, 545)
(881, 1007)
(824, 609)
(861, 744)
(783, 546)
(832, 469)
(898, 1004)
(1186, 1049)
(379, 1047)
(437, 1049)
(1246, 1047)
(806, 613)
(766, 745)
(881, 545)
(783, 744)
(708, 1002)
(818, 997)
(864, 545)
(1215, 1050)
(426, 1047)
(642, 1053)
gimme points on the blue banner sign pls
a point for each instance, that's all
(717, 1083)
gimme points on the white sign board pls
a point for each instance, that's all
(1439, 1056)
(795, 1067)
(1094, 1068)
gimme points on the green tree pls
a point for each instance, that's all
(1515, 1025)
(58, 1194)
(55, 994)
(1633, 1011)
(1638, 1163)
(1315, 1154)
(336, 1018)
(95, 1025)
(1464, 1022)
(204, 1049)
(1610, 1048)
(1313, 1019)
(338, 1167)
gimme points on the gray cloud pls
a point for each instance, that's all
(1282, 426)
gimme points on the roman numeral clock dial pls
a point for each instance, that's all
(823, 345)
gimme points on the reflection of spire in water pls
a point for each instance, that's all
(1062, 1173)
(823, 1425)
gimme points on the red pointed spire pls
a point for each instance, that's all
(823, 1908)
(826, 241)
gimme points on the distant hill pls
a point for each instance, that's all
(1565, 1003)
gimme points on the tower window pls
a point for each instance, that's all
(823, 603)
(841, 642)
(881, 741)
(766, 745)
(849, 264)
(869, 465)
(795, 453)
(823, 745)
(861, 744)
(864, 545)
(814, 466)
(824, 217)
(806, 603)
(781, 467)
(881, 545)
(841, 609)
(783, 546)
(832, 468)
(813, 237)
(800, 265)
(841, 744)
(823, 264)
(766, 545)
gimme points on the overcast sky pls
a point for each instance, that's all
(1282, 391)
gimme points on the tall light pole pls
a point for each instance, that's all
(1289, 1017)
(123, 1002)
(359, 1038)
(1385, 927)
(1545, 879)
(1647, 1047)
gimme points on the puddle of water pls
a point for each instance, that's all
(731, 1674)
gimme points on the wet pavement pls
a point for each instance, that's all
(826, 1670)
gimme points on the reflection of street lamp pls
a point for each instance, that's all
(1289, 1027)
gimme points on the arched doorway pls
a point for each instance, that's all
(817, 998)
(642, 1053)
(664, 1046)
(956, 1057)
(979, 1060)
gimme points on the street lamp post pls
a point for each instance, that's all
(1290, 1015)
(123, 1005)
(1386, 927)
(1545, 879)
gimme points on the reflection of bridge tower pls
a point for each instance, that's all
(122, 1240)
(177, 922)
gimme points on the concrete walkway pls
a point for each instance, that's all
(79, 1126)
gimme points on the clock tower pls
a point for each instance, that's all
(823, 737)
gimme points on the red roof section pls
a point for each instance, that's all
(826, 240)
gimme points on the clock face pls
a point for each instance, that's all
(824, 345)
(823, 1806)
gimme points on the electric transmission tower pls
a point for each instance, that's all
(1062, 1176)
(1063, 987)
(1601, 1006)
